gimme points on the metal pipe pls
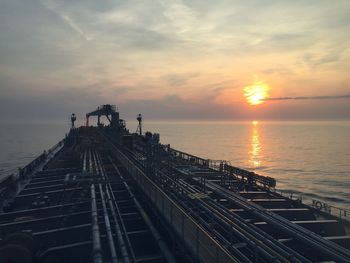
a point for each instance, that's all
(84, 162)
(90, 162)
(119, 230)
(286, 254)
(247, 237)
(299, 233)
(122, 245)
(256, 232)
(96, 241)
(108, 228)
(162, 245)
(114, 257)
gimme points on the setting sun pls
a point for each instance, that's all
(256, 92)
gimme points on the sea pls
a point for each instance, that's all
(310, 159)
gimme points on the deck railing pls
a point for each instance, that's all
(339, 212)
(248, 176)
(224, 166)
(37, 161)
(330, 209)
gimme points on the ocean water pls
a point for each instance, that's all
(308, 158)
(22, 142)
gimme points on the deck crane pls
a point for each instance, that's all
(107, 110)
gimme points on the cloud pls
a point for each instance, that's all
(174, 58)
(279, 70)
(173, 107)
(314, 60)
(180, 79)
(283, 42)
(75, 27)
(310, 98)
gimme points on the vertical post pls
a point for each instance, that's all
(98, 116)
(197, 244)
(221, 169)
(183, 228)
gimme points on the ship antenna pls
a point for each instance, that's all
(139, 127)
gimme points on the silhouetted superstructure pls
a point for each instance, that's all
(104, 194)
(107, 110)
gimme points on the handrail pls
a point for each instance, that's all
(248, 176)
(225, 167)
(332, 210)
(338, 212)
(33, 164)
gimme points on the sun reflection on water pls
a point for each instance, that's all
(255, 147)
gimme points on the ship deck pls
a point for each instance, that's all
(108, 197)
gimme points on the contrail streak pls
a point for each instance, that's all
(310, 98)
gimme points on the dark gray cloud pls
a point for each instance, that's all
(304, 110)
(176, 108)
(311, 98)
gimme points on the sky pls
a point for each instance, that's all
(175, 60)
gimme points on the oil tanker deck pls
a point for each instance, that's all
(104, 194)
